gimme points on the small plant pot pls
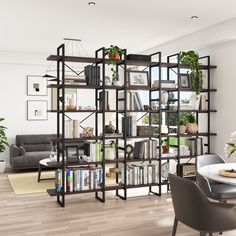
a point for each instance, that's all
(114, 57)
(191, 128)
(2, 166)
(182, 129)
(165, 149)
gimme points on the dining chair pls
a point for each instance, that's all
(193, 208)
(214, 190)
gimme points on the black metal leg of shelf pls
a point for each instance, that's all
(122, 197)
(155, 193)
(61, 202)
(99, 198)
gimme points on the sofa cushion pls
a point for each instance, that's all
(30, 159)
(40, 142)
(21, 151)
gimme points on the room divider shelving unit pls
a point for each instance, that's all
(154, 94)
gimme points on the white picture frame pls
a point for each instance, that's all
(36, 85)
(37, 110)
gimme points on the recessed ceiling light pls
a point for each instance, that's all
(91, 3)
(194, 17)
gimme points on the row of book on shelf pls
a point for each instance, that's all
(79, 179)
(137, 174)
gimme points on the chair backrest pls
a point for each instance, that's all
(209, 159)
(188, 200)
(205, 160)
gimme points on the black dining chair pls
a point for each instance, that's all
(214, 190)
(193, 208)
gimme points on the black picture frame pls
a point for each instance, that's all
(184, 81)
(137, 78)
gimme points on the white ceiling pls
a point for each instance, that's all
(38, 26)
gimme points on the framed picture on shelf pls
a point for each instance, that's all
(36, 85)
(137, 78)
(70, 99)
(184, 81)
(37, 110)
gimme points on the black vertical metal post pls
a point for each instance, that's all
(178, 113)
(209, 104)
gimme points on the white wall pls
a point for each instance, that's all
(14, 68)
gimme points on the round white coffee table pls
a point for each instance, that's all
(43, 164)
(212, 172)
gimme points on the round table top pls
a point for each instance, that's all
(45, 161)
(212, 172)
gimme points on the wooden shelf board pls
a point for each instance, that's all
(128, 62)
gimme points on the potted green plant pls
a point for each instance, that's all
(182, 123)
(3, 144)
(114, 53)
(191, 126)
(191, 59)
(165, 146)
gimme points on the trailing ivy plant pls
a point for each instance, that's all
(3, 138)
(191, 59)
(112, 53)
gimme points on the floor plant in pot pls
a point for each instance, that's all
(114, 53)
(191, 59)
(191, 126)
(3, 144)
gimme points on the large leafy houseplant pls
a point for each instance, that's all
(114, 53)
(3, 138)
(191, 59)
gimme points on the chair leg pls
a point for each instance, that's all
(175, 227)
(202, 233)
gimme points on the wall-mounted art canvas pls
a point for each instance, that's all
(36, 85)
(37, 110)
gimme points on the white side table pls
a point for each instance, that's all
(44, 164)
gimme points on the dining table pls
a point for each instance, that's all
(212, 172)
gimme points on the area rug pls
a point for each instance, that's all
(26, 183)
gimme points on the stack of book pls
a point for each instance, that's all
(75, 79)
(92, 75)
(146, 149)
(133, 99)
(140, 174)
(72, 129)
(93, 150)
(79, 179)
(129, 126)
(165, 84)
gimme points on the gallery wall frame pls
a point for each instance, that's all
(36, 85)
(37, 110)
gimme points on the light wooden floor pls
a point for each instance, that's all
(39, 214)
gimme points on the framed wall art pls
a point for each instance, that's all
(137, 78)
(184, 81)
(36, 85)
(37, 110)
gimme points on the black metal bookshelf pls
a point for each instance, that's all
(100, 112)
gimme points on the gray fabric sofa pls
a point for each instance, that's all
(29, 150)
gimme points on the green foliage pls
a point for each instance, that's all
(112, 51)
(3, 138)
(165, 142)
(190, 118)
(233, 148)
(154, 119)
(191, 59)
